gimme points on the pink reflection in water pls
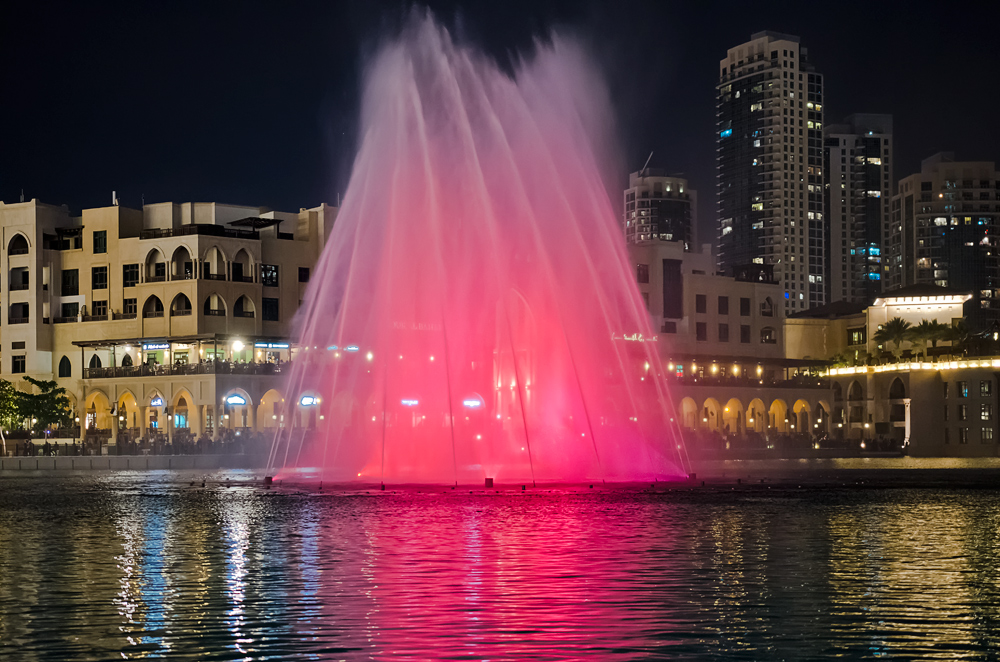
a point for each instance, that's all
(474, 314)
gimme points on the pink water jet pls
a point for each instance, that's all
(474, 314)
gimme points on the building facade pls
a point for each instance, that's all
(944, 404)
(173, 318)
(943, 232)
(858, 164)
(721, 344)
(659, 207)
(770, 165)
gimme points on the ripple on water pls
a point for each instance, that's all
(114, 565)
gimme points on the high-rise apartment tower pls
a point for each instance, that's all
(943, 232)
(658, 207)
(770, 165)
(858, 164)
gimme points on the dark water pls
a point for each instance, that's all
(121, 566)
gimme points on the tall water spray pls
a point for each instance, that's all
(474, 314)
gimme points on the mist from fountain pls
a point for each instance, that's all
(474, 314)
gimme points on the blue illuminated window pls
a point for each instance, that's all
(786, 295)
(726, 133)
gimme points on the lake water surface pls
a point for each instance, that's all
(128, 565)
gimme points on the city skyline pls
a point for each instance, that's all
(115, 104)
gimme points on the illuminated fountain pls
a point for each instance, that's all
(474, 315)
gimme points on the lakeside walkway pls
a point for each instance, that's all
(131, 463)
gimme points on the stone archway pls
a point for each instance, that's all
(711, 415)
(269, 412)
(778, 416)
(733, 418)
(689, 414)
(801, 421)
(757, 416)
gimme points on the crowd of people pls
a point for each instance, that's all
(782, 444)
(229, 442)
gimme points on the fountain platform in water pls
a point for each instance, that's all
(473, 315)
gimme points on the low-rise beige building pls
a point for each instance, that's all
(944, 405)
(173, 317)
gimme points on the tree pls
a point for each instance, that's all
(957, 334)
(10, 416)
(49, 406)
(928, 332)
(894, 331)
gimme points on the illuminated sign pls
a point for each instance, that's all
(155, 346)
(472, 403)
(156, 402)
(236, 400)
(271, 345)
(331, 348)
(635, 337)
(409, 403)
(351, 348)
(308, 400)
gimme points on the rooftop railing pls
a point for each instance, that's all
(199, 228)
(202, 368)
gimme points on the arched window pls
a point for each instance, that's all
(65, 367)
(181, 305)
(127, 361)
(95, 361)
(153, 307)
(156, 267)
(18, 245)
(242, 267)
(897, 391)
(243, 307)
(215, 306)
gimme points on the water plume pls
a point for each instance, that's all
(474, 314)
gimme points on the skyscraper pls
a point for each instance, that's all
(770, 165)
(858, 164)
(658, 207)
(944, 220)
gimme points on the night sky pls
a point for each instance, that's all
(256, 103)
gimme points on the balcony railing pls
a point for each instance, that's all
(181, 312)
(18, 251)
(243, 313)
(124, 316)
(153, 313)
(213, 312)
(203, 368)
(156, 279)
(199, 228)
(242, 279)
(64, 320)
(96, 318)
(214, 276)
(18, 287)
(17, 320)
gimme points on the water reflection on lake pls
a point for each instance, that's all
(138, 565)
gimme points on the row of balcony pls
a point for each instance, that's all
(202, 368)
(149, 314)
(190, 276)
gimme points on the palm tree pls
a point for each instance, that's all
(927, 332)
(893, 331)
(957, 334)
